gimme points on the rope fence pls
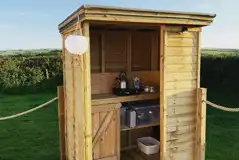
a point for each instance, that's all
(222, 107)
(28, 111)
(56, 98)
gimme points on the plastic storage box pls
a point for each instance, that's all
(148, 145)
(146, 113)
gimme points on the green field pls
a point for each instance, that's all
(35, 136)
(47, 51)
(219, 51)
(29, 51)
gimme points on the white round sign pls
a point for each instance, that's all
(76, 44)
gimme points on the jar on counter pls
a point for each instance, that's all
(151, 89)
(146, 89)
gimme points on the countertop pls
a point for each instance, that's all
(99, 99)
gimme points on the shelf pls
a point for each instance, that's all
(128, 148)
(136, 154)
(125, 128)
(99, 99)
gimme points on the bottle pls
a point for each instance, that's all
(136, 82)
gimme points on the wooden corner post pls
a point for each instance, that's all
(61, 117)
(162, 96)
(201, 124)
(87, 95)
(81, 97)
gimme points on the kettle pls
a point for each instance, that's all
(123, 79)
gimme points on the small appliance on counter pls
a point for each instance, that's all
(122, 88)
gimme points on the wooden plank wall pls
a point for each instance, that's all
(180, 98)
(102, 83)
(141, 51)
(115, 51)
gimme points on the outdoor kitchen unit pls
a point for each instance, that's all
(135, 94)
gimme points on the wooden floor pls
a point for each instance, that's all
(135, 154)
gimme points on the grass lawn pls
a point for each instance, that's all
(31, 137)
(35, 136)
(222, 127)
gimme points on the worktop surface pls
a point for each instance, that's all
(99, 99)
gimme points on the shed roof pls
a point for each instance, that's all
(132, 15)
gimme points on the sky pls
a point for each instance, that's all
(33, 24)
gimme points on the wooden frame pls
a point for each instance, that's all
(162, 97)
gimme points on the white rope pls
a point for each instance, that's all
(222, 107)
(78, 25)
(28, 111)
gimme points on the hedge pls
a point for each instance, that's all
(220, 71)
(27, 73)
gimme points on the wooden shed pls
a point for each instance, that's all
(162, 49)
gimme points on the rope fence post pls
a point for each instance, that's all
(201, 124)
(61, 116)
